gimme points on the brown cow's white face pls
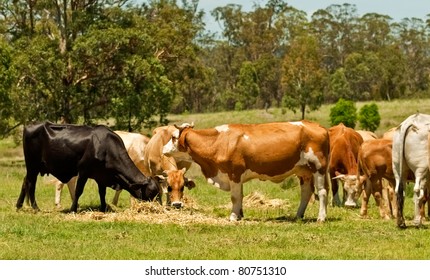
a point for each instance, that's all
(350, 188)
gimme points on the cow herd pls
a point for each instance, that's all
(229, 156)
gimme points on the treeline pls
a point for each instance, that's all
(86, 60)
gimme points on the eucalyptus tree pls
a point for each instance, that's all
(365, 74)
(303, 77)
(336, 29)
(374, 32)
(413, 36)
(84, 60)
(6, 78)
(178, 33)
(260, 37)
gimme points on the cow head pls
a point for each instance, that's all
(176, 183)
(147, 191)
(350, 187)
(174, 146)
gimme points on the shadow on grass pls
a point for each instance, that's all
(89, 208)
(293, 219)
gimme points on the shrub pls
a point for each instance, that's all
(343, 112)
(369, 117)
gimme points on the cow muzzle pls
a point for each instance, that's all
(177, 204)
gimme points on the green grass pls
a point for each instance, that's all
(266, 233)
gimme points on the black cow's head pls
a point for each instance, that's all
(148, 191)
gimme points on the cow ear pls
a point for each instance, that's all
(161, 178)
(189, 183)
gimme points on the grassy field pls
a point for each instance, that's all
(201, 231)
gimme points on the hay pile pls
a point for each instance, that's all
(154, 213)
(258, 200)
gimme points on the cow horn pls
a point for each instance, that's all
(341, 176)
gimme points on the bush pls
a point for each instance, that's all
(369, 117)
(343, 112)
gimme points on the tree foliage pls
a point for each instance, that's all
(136, 63)
(303, 75)
(344, 111)
(369, 117)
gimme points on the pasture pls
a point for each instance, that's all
(201, 231)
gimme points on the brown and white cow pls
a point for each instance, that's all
(232, 154)
(375, 165)
(344, 145)
(172, 167)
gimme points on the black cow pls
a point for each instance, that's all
(65, 150)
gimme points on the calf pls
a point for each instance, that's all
(374, 165)
(65, 151)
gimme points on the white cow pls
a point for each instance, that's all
(411, 151)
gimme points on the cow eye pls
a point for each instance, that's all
(169, 188)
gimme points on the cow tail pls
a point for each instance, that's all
(428, 149)
(400, 188)
(360, 170)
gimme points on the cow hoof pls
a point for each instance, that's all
(321, 219)
(234, 217)
(350, 205)
(386, 217)
(401, 225)
(417, 222)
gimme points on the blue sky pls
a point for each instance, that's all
(397, 9)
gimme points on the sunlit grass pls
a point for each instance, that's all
(268, 231)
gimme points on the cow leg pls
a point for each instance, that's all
(392, 199)
(335, 191)
(58, 188)
(365, 197)
(28, 189)
(102, 194)
(419, 198)
(377, 194)
(72, 187)
(305, 195)
(427, 202)
(423, 206)
(236, 199)
(322, 188)
(116, 197)
(22, 194)
(80, 184)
